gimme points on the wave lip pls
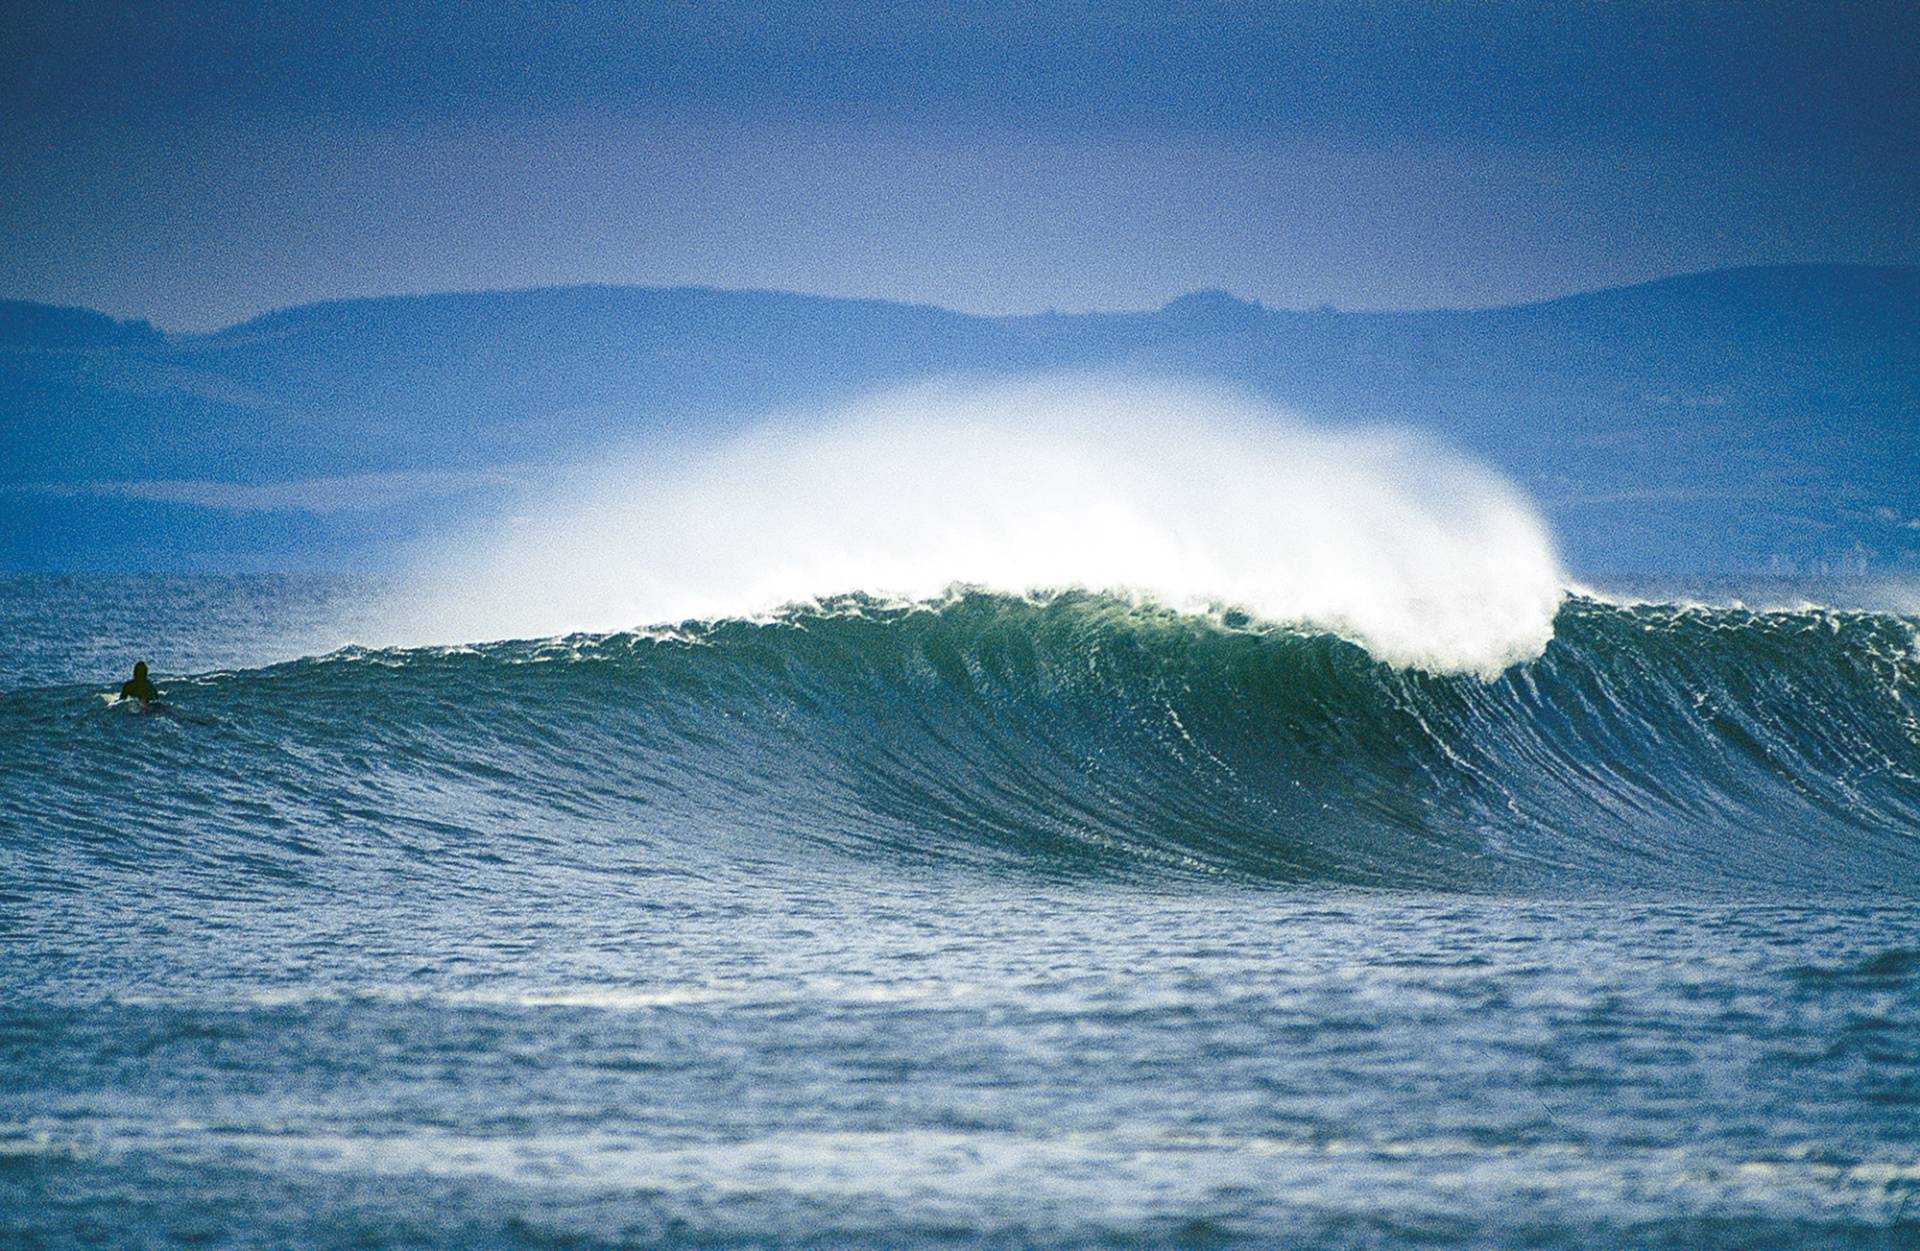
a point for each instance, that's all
(1176, 493)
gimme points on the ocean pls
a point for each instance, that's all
(980, 920)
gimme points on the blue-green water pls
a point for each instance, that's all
(1005, 923)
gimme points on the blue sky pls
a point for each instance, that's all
(194, 167)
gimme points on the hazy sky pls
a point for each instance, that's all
(196, 163)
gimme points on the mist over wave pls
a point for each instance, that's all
(1191, 497)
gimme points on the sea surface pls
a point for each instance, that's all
(993, 921)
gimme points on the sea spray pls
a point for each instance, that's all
(1185, 495)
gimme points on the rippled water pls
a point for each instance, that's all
(929, 929)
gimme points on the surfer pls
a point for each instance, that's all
(141, 687)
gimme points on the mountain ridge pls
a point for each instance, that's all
(1790, 394)
(1907, 276)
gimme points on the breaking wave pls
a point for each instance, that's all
(1647, 746)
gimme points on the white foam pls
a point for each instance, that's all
(1189, 495)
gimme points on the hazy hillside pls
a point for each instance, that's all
(1738, 421)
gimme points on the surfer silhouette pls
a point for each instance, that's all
(141, 687)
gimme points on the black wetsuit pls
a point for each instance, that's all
(140, 689)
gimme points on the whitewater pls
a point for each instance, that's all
(1083, 812)
(1192, 496)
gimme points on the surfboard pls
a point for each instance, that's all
(133, 707)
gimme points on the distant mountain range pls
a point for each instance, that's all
(1743, 421)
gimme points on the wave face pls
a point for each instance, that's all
(1648, 747)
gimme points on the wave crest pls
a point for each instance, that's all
(1184, 495)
